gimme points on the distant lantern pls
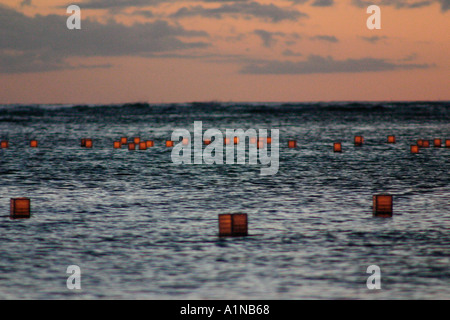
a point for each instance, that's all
(137, 140)
(253, 140)
(185, 141)
(391, 139)
(88, 143)
(420, 143)
(226, 141)
(426, 143)
(150, 143)
(142, 145)
(83, 142)
(382, 205)
(359, 140)
(447, 143)
(233, 225)
(292, 144)
(206, 142)
(337, 147)
(269, 140)
(236, 140)
(117, 145)
(33, 143)
(20, 208)
(260, 144)
(169, 143)
(437, 143)
(131, 146)
(124, 140)
(414, 149)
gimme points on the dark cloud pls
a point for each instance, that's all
(400, 4)
(319, 64)
(323, 3)
(290, 53)
(374, 39)
(40, 43)
(268, 38)
(25, 3)
(325, 38)
(269, 12)
(117, 4)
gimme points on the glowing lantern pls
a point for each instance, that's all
(137, 140)
(260, 144)
(142, 145)
(185, 141)
(426, 144)
(420, 143)
(391, 139)
(359, 140)
(131, 146)
(33, 143)
(4, 144)
(88, 143)
(382, 205)
(117, 144)
(253, 140)
(226, 141)
(169, 143)
(292, 144)
(233, 225)
(83, 142)
(414, 149)
(123, 140)
(437, 143)
(20, 208)
(207, 142)
(150, 143)
(269, 140)
(447, 143)
(236, 140)
(337, 147)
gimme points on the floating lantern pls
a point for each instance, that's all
(236, 140)
(337, 147)
(382, 205)
(233, 225)
(124, 140)
(83, 142)
(33, 143)
(391, 139)
(426, 144)
(88, 143)
(206, 142)
(137, 140)
(269, 140)
(117, 145)
(169, 143)
(150, 143)
(131, 146)
(253, 140)
(447, 143)
(226, 141)
(359, 140)
(260, 144)
(292, 144)
(437, 143)
(185, 141)
(420, 143)
(20, 208)
(142, 145)
(414, 149)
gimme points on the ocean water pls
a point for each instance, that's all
(141, 227)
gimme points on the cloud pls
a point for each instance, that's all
(318, 64)
(290, 53)
(323, 3)
(26, 3)
(268, 37)
(41, 43)
(254, 9)
(117, 4)
(373, 39)
(400, 4)
(325, 38)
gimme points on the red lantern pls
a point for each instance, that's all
(131, 146)
(20, 208)
(226, 141)
(269, 140)
(185, 141)
(337, 147)
(359, 140)
(391, 139)
(117, 145)
(292, 144)
(426, 143)
(447, 143)
(260, 144)
(150, 143)
(253, 140)
(234, 225)
(382, 205)
(137, 140)
(169, 143)
(123, 140)
(89, 143)
(207, 142)
(236, 140)
(414, 149)
(437, 143)
(142, 145)
(83, 142)
(33, 143)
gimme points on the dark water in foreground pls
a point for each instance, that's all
(142, 227)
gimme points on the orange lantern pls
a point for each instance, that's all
(117, 145)
(150, 143)
(437, 143)
(269, 140)
(236, 140)
(359, 140)
(20, 208)
(337, 147)
(447, 143)
(226, 140)
(137, 140)
(207, 142)
(292, 144)
(391, 139)
(420, 143)
(414, 149)
(253, 140)
(382, 205)
(123, 140)
(33, 143)
(142, 145)
(426, 144)
(234, 225)
(260, 144)
(131, 146)
(185, 141)
(169, 143)
(88, 143)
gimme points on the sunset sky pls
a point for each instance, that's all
(223, 50)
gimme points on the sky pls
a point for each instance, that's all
(168, 51)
